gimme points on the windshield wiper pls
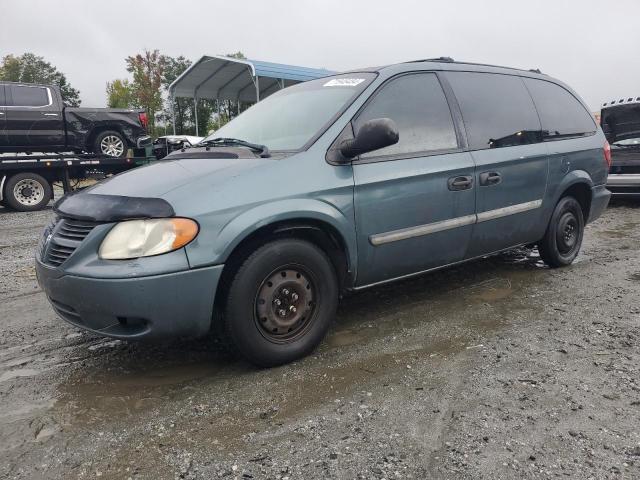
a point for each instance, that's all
(263, 150)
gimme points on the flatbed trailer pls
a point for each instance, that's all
(26, 181)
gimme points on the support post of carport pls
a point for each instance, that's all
(172, 99)
(257, 82)
(195, 108)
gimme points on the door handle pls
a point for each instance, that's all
(490, 178)
(463, 182)
(50, 114)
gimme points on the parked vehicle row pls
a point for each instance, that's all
(332, 185)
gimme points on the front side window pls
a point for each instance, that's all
(561, 114)
(3, 102)
(290, 118)
(419, 108)
(29, 96)
(496, 109)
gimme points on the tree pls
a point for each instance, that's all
(147, 70)
(29, 68)
(120, 94)
(182, 107)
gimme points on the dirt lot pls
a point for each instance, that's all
(497, 369)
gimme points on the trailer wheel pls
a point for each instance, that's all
(26, 192)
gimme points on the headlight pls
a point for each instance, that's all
(143, 238)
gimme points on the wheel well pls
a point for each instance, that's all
(98, 130)
(582, 193)
(321, 234)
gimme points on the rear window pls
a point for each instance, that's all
(23, 96)
(561, 114)
(497, 110)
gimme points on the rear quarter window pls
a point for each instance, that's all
(496, 109)
(561, 114)
(24, 96)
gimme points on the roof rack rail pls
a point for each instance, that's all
(451, 60)
(436, 59)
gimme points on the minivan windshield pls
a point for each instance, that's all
(290, 118)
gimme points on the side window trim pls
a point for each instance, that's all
(418, 154)
(12, 105)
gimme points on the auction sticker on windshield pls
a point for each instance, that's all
(343, 82)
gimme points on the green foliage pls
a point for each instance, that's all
(120, 94)
(29, 68)
(147, 70)
(182, 107)
(153, 73)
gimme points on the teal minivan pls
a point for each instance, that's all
(332, 185)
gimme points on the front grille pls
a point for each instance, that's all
(62, 238)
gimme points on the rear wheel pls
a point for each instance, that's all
(111, 144)
(562, 241)
(281, 302)
(26, 192)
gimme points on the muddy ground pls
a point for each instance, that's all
(500, 368)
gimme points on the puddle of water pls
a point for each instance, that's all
(121, 384)
(19, 372)
(622, 231)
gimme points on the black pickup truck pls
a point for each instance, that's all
(34, 118)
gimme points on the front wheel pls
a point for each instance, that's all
(111, 144)
(562, 241)
(26, 192)
(281, 302)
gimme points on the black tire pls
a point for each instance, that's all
(562, 241)
(26, 192)
(110, 143)
(295, 273)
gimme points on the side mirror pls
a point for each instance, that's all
(373, 135)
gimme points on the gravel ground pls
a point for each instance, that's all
(500, 368)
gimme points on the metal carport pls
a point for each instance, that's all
(226, 78)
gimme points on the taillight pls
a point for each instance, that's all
(143, 119)
(607, 153)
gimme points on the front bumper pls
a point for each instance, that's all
(159, 306)
(142, 142)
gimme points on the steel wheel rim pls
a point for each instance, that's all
(112, 146)
(28, 192)
(568, 233)
(285, 304)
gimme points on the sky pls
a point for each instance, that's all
(591, 45)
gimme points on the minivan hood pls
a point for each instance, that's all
(159, 178)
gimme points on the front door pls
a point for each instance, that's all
(33, 118)
(414, 201)
(505, 140)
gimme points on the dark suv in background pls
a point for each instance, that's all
(34, 118)
(620, 120)
(334, 184)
